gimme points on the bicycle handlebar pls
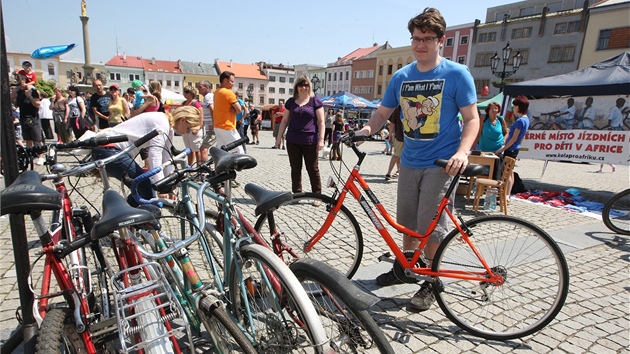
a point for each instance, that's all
(234, 144)
(91, 142)
(136, 181)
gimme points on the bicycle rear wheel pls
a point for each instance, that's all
(299, 219)
(351, 328)
(531, 263)
(226, 336)
(616, 213)
(271, 305)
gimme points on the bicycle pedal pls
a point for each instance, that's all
(386, 257)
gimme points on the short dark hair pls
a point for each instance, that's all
(225, 75)
(430, 20)
(131, 91)
(522, 103)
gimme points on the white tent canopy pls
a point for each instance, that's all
(173, 97)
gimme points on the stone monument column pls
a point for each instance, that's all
(88, 69)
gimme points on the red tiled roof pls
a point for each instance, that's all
(360, 53)
(125, 61)
(165, 66)
(251, 71)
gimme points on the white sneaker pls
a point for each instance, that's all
(40, 161)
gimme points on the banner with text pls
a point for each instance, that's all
(581, 129)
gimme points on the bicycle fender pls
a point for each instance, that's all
(361, 300)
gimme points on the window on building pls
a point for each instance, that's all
(355, 89)
(347, 75)
(168, 83)
(389, 69)
(483, 59)
(177, 83)
(555, 6)
(291, 80)
(463, 40)
(261, 100)
(130, 77)
(524, 56)
(335, 77)
(479, 84)
(291, 91)
(211, 85)
(380, 69)
(356, 74)
(363, 74)
(526, 11)
(272, 89)
(272, 78)
(329, 77)
(262, 87)
(362, 89)
(190, 83)
(51, 69)
(499, 16)
(379, 90)
(449, 42)
(483, 37)
(561, 54)
(240, 85)
(461, 59)
(604, 38)
(369, 90)
(114, 76)
(560, 28)
(281, 90)
(272, 101)
(398, 66)
(492, 37)
(370, 74)
(574, 26)
(283, 79)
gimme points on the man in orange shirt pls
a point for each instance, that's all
(226, 107)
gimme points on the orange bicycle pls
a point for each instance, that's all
(497, 277)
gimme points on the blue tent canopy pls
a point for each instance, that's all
(345, 99)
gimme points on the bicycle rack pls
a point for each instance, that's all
(138, 307)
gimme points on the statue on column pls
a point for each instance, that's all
(83, 8)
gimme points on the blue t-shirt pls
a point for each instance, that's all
(522, 124)
(139, 100)
(430, 103)
(491, 138)
(240, 115)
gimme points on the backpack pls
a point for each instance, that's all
(518, 186)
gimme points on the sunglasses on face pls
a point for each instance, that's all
(304, 84)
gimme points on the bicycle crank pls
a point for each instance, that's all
(399, 271)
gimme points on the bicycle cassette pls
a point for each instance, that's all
(399, 271)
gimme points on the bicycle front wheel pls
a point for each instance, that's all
(226, 336)
(532, 265)
(58, 334)
(616, 213)
(299, 219)
(351, 328)
(271, 305)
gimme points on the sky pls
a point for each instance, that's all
(245, 31)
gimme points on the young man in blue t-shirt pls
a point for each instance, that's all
(431, 91)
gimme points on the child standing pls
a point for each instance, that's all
(337, 131)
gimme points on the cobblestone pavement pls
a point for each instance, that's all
(594, 319)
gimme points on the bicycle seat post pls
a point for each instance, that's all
(100, 165)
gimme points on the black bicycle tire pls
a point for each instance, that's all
(211, 311)
(497, 237)
(311, 273)
(290, 295)
(51, 332)
(538, 126)
(328, 255)
(610, 205)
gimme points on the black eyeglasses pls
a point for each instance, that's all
(418, 40)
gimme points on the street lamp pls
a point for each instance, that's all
(506, 54)
(250, 93)
(315, 81)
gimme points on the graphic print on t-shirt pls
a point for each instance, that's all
(420, 103)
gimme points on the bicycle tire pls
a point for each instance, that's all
(350, 329)
(58, 334)
(225, 334)
(538, 126)
(619, 203)
(535, 272)
(280, 321)
(341, 247)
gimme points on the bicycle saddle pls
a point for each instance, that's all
(27, 193)
(471, 170)
(118, 213)
(226, 161)
(265, 199)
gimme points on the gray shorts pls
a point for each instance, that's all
(209, 138)
(419, 194)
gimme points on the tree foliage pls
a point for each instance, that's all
(45, 86)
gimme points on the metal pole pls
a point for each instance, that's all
(28, 331)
